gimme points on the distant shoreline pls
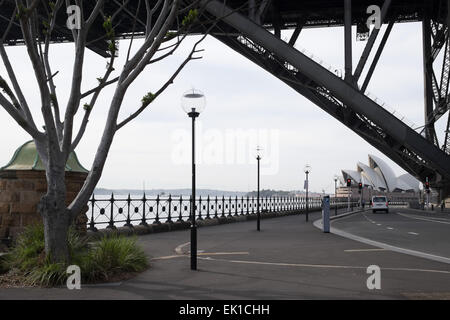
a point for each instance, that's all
(199, 192)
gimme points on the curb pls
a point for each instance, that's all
(318, 222)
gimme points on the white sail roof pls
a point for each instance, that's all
(385, 171)
(376, 180)
(352, 174)
(380, 176)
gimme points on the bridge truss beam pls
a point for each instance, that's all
(341, 99)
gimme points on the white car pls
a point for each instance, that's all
(380, 203)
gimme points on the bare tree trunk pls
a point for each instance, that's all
(57, 218)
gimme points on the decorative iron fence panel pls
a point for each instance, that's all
(117, 211)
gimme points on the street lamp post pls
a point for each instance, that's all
(335, 195)
(193, 103)
(258, 211)
(307, 170)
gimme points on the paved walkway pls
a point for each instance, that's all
(288, 259)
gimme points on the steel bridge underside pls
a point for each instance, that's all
(340, 97)
(253, 29)
(274, 14)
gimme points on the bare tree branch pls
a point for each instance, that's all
(160, 34)
(132, 31)
(163, 88)
(22, 101)
(54, 97)
(18, 118)
(150, 36)
(90, 106)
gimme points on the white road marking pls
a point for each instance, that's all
(364, 250)
(167, 257)
(179, 249)
(390, 228)
(200, 254)
(413, 233)
(223, 253)
(421, 218)
(379, 224)
(301, 265)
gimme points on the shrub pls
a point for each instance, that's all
(46, 274)
(109, 257)
(113, 255)
(4, 267)
(28, 248)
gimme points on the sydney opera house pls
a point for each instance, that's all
(378, 176)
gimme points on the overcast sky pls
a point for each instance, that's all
(244, 102)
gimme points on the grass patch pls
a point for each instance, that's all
(107, 259)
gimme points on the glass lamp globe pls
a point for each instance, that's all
(193, 101)
(307, 168)
(258, 152)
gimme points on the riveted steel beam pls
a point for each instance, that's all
(399, 132)
(370, 42)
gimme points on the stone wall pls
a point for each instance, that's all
(20, 192)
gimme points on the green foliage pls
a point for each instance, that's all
(53, 100)
(190, 17)
(87, 107)
(147, 99)
(4, 265)
(22, 12)
(46, 27)
(112, 46)
(46, 274)
(107, 25)
(110, 34)
(100, 261)
(113, 255)
(6, 89)
(28, 248)
(170, 35)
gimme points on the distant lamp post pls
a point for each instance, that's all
(193, 103)
(307, 170)
(258, 210)
(335, 194)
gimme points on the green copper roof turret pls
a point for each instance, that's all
(26, 157)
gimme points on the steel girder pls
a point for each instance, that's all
(340, 99)
(437, 98)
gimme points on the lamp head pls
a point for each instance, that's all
(193, 102)
(307, 169)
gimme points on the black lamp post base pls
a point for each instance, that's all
(193, 247)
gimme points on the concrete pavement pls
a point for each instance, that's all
(288, 259)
